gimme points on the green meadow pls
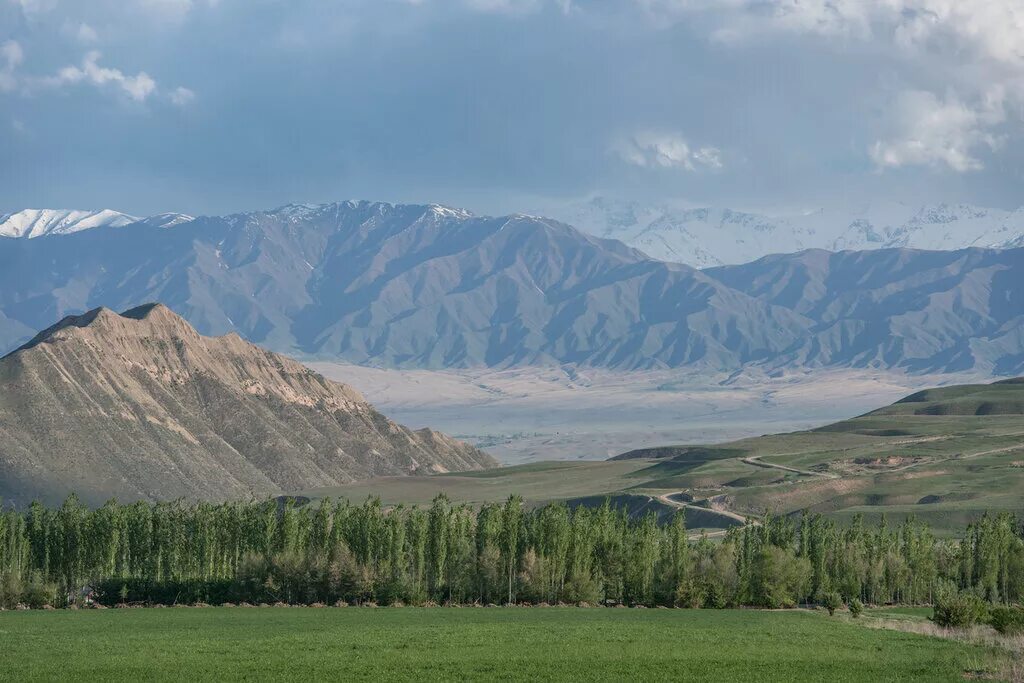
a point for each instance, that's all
(427, 644)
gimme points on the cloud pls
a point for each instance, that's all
(940, 132)
(181, 96)
(990, 27)
(653, 149)
(709, 156)
(137, 87)
(11, 55)
(974, 45)
(86, 33)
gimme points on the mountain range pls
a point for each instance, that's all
(434, 287)
(707, 236)
(140, 406)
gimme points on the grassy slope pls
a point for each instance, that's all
(945, 455)
(536, 482)
(449, 644)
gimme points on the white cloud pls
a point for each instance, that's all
(708, 156)
(181, 96)
(989, 27)
(80, 32)
(654, 149)
(11, 56)
(940, 132)
(137, 87)
(86, 34)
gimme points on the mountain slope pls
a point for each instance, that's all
(140, 406)
(705, 237)
(918, 310)
(433, 287)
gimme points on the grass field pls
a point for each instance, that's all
(470, 644)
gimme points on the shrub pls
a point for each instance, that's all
(856, 608)
(38, 593)
(958, 609)
(832, 601)
(1008, 620)
(10, 590)
(779, 577)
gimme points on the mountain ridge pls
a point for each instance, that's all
(432, 287)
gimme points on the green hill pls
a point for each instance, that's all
(944, 455)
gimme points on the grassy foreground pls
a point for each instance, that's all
(473, 644)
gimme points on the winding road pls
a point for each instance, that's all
(667, 499)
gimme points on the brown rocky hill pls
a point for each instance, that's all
(141, 406)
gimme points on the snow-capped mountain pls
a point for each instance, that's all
(31, 223)
(706, 237)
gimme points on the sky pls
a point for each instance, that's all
(213, 106)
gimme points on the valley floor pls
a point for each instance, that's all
(475, 644)
(530, 414)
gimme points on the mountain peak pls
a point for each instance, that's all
(152, 311)
(102, 319)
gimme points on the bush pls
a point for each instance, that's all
(10, 590)
(856, 608)
(38, 593)
(832, 601)
(779, 578)
(1008, 620)
(958, 609)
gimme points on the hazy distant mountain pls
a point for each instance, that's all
(703, 237)
(429, 286)
(140, 406)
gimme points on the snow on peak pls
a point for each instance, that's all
(30, 223)
(299, 211)
(167, 220)
(449, 212)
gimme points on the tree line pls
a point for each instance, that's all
(327, 552)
